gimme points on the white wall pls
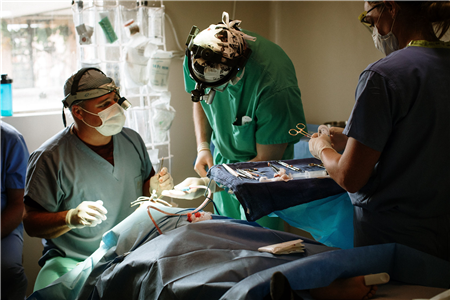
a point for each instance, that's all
(329, 49)
(325, 41)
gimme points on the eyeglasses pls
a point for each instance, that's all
(363, 20)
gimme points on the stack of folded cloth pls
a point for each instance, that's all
(295, 246)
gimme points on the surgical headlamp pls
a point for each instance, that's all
(194, 52)
(77, 96)
(95, 93)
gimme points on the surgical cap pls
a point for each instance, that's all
(93, 83)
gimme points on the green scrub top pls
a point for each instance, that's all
(268, 96)
(268, 93)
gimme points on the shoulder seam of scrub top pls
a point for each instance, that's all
(389, 82)
(280, 90)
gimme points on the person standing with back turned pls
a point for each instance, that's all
(396, 141)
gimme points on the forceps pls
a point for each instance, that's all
(161, 164)
(300, 129)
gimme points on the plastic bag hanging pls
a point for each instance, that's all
(162, 118)
(137, 54)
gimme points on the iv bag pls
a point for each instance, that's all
(162, 118)
(159, 70)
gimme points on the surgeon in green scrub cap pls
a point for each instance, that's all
(246, 98)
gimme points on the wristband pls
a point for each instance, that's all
(203, 146)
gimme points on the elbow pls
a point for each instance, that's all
(351, 185)
(29, 228)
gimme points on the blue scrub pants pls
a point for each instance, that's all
(14, 281)
(53, 269)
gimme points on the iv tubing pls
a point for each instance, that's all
(208, 198)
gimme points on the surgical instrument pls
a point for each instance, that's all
(254, 173)
(161, 164)
(231, 171)
(275, 169)
(300, 129)
(323, 129)
(316, 165)
(255, 170)
(291, 167)
(245, 174)
(241, 173)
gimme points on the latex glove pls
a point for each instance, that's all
(182, 190)
(338, 139)
(87, 213)
(317, 143)
(204, 159)
(161, 181)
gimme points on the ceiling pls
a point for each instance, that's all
(16, 8)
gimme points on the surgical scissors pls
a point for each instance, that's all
(300, 129)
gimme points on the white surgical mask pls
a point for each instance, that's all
(385, 43)
(113, 119)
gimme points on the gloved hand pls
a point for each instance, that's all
(87, 213)
(204, 159)
(338, 139)
(317, 143)
(182, 190)
(161, 181)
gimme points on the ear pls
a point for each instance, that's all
(76, 112)
(392, 8)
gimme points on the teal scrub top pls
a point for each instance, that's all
(64, 172)
(268, 93)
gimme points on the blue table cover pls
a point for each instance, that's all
(262, 198)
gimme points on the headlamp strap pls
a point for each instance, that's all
(64, 117)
